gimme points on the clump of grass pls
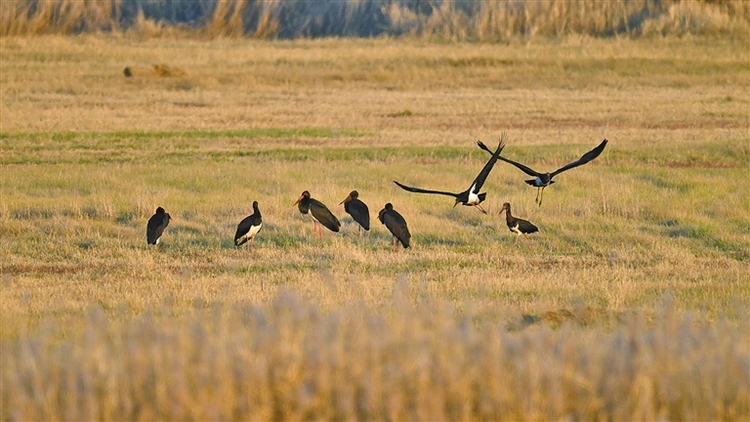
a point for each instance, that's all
(290, 360)
(402, 113)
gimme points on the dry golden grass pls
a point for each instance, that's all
(292, 361)
(462, 326)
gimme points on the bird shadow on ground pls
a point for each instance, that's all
(435, 240)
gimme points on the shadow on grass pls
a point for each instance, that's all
(703, 233)
(436, 240)
(281, 238)
(268, 268)
(664, 183)
(731, 249)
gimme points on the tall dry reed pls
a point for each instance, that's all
(290, 360)
(446, 19)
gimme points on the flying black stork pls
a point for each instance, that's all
(358, 210)
(396, 224)
(249, 227)
(319, 213)
(156, 225)
(518, 226)
(470, 196)
(542, 180)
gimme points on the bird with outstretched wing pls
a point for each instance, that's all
(471, 196)
(542, 180)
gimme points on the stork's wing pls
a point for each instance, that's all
(523, 168)
(324, 215)
(419, 190)
(155, 227)
(359, 212)
(243, 227)
(479, 181)
(583, 160)
(397, 226)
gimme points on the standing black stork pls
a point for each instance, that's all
(358, 210)
(470, 196)
(249, 227)
(517, 225)
(156, 225)
(396, 224)
(542, 180)
(319, 213)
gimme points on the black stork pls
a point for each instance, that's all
(396, 224)
(319, 213)
(249, 227)
(358, 210)
(470, 196)
(518, 226)
(542, 180)
(156, 225)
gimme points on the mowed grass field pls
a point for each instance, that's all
(630, 303)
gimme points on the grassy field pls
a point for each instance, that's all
(631, 302)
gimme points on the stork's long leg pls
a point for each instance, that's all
(529, 239)
(480, 208)
(541, 195)
(516, 242)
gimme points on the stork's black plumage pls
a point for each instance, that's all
(470, 196)
(249, 227)
(319, 213)
(156, 225)
(542, 180)
(357, 209)
(396, 224)
(517, 225)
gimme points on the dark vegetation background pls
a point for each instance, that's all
(472, 20)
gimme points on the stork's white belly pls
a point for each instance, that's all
(473, 195)
(251, 233)
(254, 230)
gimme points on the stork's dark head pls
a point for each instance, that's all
(506, 206)
(352, 195)
(304, 195)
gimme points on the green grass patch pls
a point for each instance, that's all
(105, 137)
